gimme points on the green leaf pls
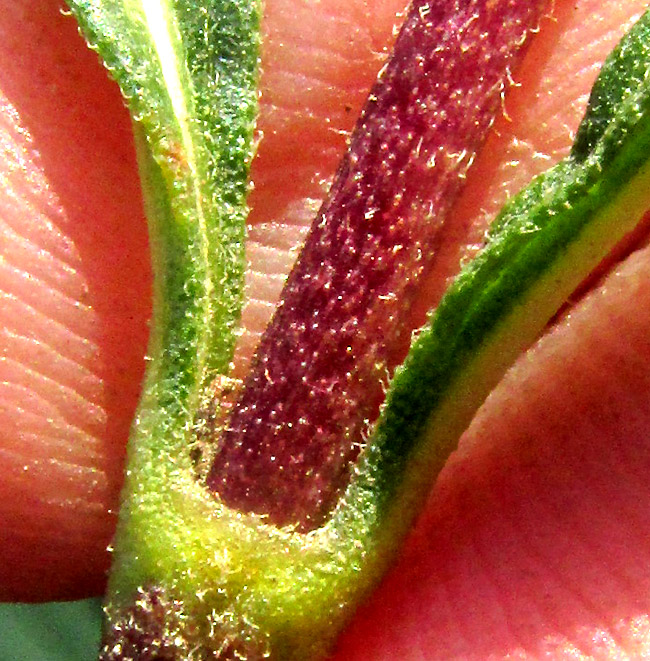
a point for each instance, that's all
(188, 74)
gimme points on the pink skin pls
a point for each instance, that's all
(534, 540)
(75, 301)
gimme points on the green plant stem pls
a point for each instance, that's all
(193, 574)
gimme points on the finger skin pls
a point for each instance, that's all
(534, 543)
(75, 289)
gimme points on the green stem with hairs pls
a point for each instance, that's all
(210, 578)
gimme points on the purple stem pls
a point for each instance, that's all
(317, 380)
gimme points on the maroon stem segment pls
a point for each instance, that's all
(317, 381)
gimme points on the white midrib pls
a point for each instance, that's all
(160, 22)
